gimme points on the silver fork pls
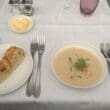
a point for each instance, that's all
(108, 1)
(105, 49)
(33, 49)
(37, 80)
(108, 49)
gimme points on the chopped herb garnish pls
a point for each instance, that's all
(79, 77)
(71, 77)
(70, 59)
(80, 64)
(71, 63)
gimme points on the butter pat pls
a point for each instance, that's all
(21, 23)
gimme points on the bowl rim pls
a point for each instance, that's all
(20, 16)
(91, 49)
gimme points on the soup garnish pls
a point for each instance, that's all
(80, 64)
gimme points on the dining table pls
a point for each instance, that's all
(62, 23)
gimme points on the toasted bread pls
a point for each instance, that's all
(13, 57)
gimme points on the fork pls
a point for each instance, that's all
(108, 1)
(105, 49)
(33, 49)
(37, 77)
(108, 49)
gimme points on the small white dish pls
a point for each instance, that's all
(20, 17)
(19, 76)
(86, 46)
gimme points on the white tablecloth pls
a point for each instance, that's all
(61, 27)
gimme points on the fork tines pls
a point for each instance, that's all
(39, 38)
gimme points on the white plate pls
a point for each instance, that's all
(91, 49)
(20, 17)
(20, 75)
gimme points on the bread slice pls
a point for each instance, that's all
(13, 57)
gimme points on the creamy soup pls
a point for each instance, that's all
(77, 66)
